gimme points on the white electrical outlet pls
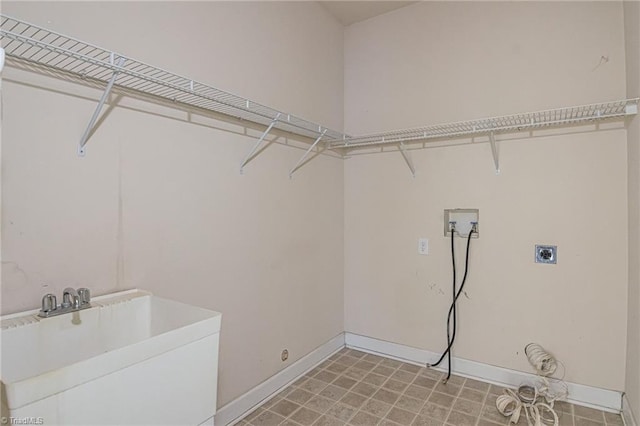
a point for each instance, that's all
(423, 245)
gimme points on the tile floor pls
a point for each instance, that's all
(359, 389)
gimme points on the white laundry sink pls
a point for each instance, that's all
(132, 358)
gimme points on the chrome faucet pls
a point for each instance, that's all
(72, 300)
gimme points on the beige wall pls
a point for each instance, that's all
(436, 62)
(158, 203)
(632, 44)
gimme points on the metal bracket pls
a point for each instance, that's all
(251, 153)
(89, 130)
(407, 157)
(301, 160)
(495, 152)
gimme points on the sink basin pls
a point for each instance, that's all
(132, 358)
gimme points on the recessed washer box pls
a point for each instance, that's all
(464, 219)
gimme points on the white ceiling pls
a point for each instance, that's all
(349, 12)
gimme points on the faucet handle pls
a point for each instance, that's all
(84, 295)
(49, 303)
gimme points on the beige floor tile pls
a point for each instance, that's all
(374, 379)
(387, 396)
(300, 381)
(472, 395)
(337, 368)
(344, 382)
(384, 371)
(476, 385)
(271, 402)
(400, 416)
(342, 412)
(403, 376)
(496, 390)
(326, 376)
(418, 392)
(335, 356)
(484, 422)
(254, 414)
(613, 419)
(375, 407)
(588, 413)
(356, 353)
(313, 385)
(386, 422)
(565, 419)
(390, 363)
(426, 421)
(299, 396)
(365, 365)
(305, 416)
(355, 373)
(364, 389)
(358, 389)
(410, 404)
(563, 406)
(467, 407)
(461, 419)
(319, 404)
(347, 360)
(441, 399)
(456, 380)
(581, 421)
(425, 382)
(267, 418)
(373, 358)
(364, 419)
(431, 373)
(490, 412)
(325, 364)
(410, 368)
(328, 421)
(435, 411)
(285, 408)
(333, 392)
(447, 388)
(353, 399)
(395, 385)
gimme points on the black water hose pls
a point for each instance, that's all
(451, 337)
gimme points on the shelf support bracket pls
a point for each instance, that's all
(407, 158)
(301, 162)
(251, 153)
(90, 127)
(495, 152)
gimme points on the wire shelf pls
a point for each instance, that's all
(505, 124)
(49, 50)
(45, 48)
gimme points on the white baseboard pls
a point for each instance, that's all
(242, 405)
(627, 413)
(589, 396)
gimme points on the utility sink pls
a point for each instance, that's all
(132, 358)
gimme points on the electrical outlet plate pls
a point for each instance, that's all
(423, 246)
(546, 254)
(463, 219)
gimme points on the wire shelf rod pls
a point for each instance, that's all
(40, 46)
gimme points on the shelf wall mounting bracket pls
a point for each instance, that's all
(251, 153)
(300, 162)
(407, 158)
(90, 127)
(495, 152)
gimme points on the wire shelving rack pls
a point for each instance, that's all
(49, 50)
